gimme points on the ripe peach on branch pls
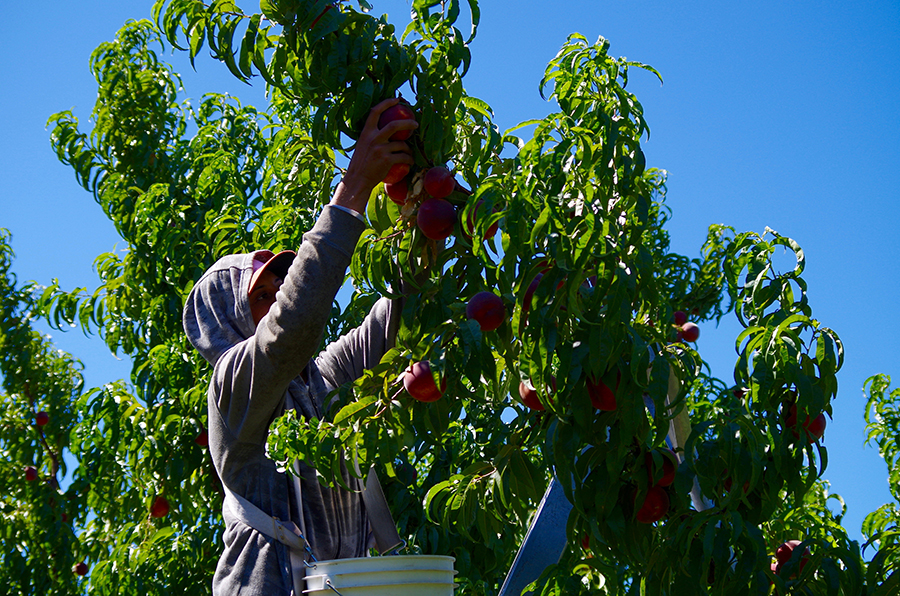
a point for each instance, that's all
(419, 382)
(669, 464)
(486, 308)
(653, 507)
(785, 552)
(202, 439)
(812, 429)
(399, 111)
(690, 332)
(602, 397)
(439, 182)
(529, 396)
(397, 173)
(398, 191)
(436, 218)
(160, 507)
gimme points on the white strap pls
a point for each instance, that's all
(286, 533)
(298, 563)
(295, 477)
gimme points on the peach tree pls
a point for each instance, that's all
(560, 218)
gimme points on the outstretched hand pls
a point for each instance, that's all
(373, 157)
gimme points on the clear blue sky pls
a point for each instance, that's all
(779, 114)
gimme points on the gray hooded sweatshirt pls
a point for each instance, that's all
(255, 370)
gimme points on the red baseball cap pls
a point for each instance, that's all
(266, 260)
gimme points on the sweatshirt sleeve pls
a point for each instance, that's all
(361, 348)
(253, 376)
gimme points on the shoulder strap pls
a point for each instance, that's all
(286, 533)
(383, 526)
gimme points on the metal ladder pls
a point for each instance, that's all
(546, 538)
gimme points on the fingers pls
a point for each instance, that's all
(376, 152)
(397, 147)
(392, 128)
(375, 112)
(388, 155)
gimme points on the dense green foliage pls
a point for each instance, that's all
(575, 203)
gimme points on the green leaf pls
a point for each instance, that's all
(352, 410)
(162, 534)
(478, 105)
(476, 19)
(225, 50)
(520, 126)
(248, 46)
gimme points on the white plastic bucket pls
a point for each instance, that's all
(408, 575)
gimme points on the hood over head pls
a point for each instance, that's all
(217, 312)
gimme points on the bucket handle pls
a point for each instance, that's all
(330, 585)
(397, 550)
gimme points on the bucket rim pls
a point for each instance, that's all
(390, 558)
(327, 590)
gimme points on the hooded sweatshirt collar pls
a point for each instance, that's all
(217, 313)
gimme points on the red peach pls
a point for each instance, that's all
(439, 182)
(654, 507)
(160, 507)
(668, 468)
(602, 397)
(397, 173)
(436, 218)
(398, 191)
(202, 439)
(419, 383)
(400, 111)
(529, 396)
(813, 429)
(784, 553)
(690, 332)
(486, 308)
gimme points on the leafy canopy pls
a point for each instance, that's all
(581, 261)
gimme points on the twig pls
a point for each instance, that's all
(53, 458)
(388, 237)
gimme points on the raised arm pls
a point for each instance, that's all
(253, 376)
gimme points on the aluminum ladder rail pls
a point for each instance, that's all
(546, 538)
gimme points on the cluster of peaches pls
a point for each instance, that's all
(424, 192)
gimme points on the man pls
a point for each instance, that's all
(259, 318)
